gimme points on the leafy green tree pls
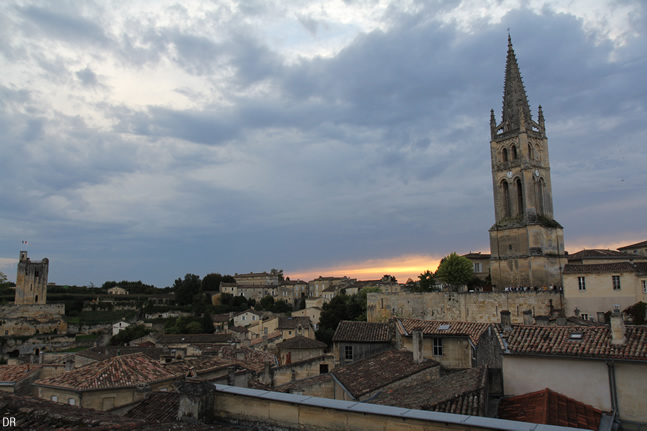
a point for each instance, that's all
(266, 303)
(211, 282)
(426, 283)
(228, 279)
(194, 328)
(185, 290)
(455, 270)
(3, 279)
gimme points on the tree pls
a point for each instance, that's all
(211, 282)
(427, 283)
(228, 279)
(3, 279)
(278, 272)
(185, 290)
(389, 277)
(125, 336)
(455, 270)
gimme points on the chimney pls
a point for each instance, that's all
(527, 317)
(542, 320)
(264, 341)
(617, 327)
(196, 401)
(231, 377)
(417, 347)
(266, 378)
(69, 363)
(506, 321)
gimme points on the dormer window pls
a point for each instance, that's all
(576, 335)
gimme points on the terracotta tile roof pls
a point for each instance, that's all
(99, 353)
(117, 372)
(362, 332)
(598, 253)
(200, 364)
(15, 373)
(293, 322)
(636, 245)
(158, 407)
(253, 359)
(271, 338)
(367, 375)
(249, 310)
(300, 386)
(301, 342)
(550, 408)
(595, 342)
(472, 330)
(477, 255)
(599, 268)
(462, 392)
(194, 338)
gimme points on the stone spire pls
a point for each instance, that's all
(515, 101)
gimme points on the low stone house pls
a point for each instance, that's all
(299, 348)
(119, 326)
(463, 392)
(314, 313)
(294, 326)
(247, 317)
(117, 291)
(455, 345)
(385, 371)
(300, 370)
(18, 378)
(354, 341)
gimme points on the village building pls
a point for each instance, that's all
(117, 291)
(314, 313)
(354, 340)
(384, 371)
(455, 345)
(464, 392)
(637, 249)
(317, 286)
(299, 348)
(480, 263)
(293, 326)
(601, 366)
(257, 279)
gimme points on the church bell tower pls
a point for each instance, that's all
(526, 243)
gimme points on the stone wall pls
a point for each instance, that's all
(483, 307)
(30, 319)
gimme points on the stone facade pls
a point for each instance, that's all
(31, 281)
(483, 307)
(526, 243)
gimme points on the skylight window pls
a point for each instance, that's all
(443, 327)
(576, 335)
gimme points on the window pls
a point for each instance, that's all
(348, 353)
(616, 282)
(438, 346)
(71, 401)
(584, 316)
(54, 398)
(581, 282)
(644, 286)
(242, 318)
(477, 267)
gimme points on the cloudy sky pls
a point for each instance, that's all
(145, 140)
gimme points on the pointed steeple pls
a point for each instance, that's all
(515, 101)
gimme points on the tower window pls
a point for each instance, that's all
(514, 152)
(531, 156)
(504, 155)
(581, 282)
(506, 200)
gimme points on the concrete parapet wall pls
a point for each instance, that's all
(482, 307)
(281, 411)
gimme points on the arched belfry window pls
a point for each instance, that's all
(504, 155)
(531, 153)
(517, 183)
(514, 152)
(506, 199)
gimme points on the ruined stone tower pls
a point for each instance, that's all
(526, 243)
(31, 281)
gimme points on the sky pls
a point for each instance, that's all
(146, 140)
